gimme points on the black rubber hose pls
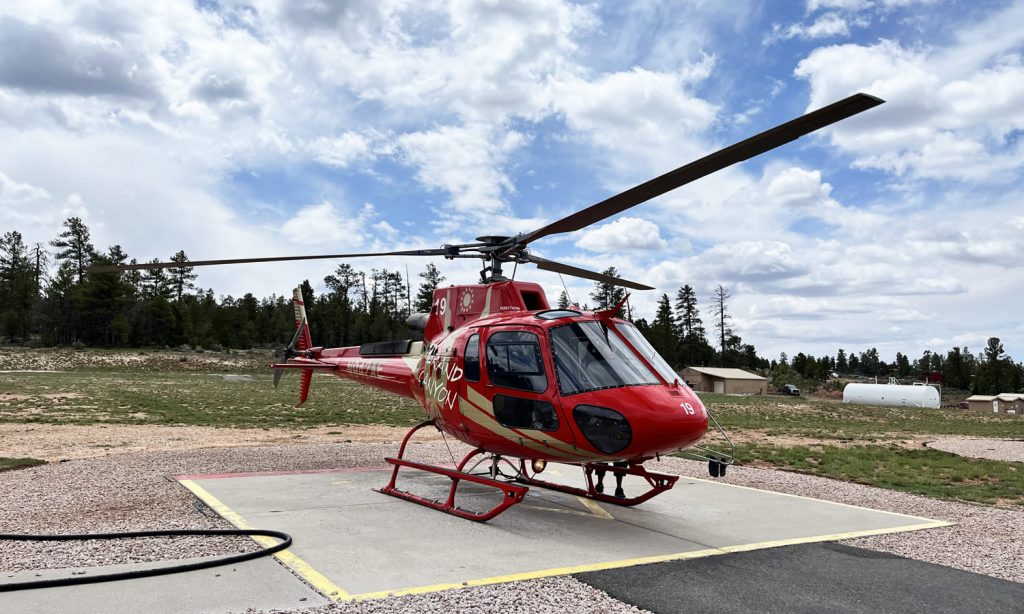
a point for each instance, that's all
(286, 540)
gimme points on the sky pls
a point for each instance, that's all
(288, 127)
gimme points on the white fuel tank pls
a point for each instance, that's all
(892, 394)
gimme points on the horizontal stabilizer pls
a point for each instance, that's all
(304, 365)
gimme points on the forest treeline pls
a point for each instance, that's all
(48, 297)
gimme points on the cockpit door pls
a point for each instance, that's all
(471, 386)
(515, 398)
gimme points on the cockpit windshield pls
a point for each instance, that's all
(647, 351)
(589, 356)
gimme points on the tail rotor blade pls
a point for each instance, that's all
(277, 376)
(295, 339)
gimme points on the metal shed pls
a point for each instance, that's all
(1008, 403)
(724, 381)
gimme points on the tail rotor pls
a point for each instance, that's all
(298, 347)
(290, 351)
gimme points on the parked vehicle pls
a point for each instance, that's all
(790, 389)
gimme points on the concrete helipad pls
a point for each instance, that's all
(354, 543)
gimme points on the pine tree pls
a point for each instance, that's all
(607, 295)
(134, 277)
(563, 300)
(663, 331)
(74, 246)
(997, 373)
(17, 287)
(688, 314)
(59, 314)
(693, 344)
(102, 303)
(902, 365)
(432, 279)
(344, 280)
(181, 278)
(155, 283)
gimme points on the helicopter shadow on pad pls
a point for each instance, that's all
(354, 543)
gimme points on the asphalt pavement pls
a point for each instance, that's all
(822, 577)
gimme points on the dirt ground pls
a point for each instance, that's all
(761, 437)
(73, 442)
(24, 360)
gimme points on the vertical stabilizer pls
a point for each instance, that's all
(303, 341)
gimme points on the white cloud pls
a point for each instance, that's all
(948, 111)
(860, 5)
(846, 5)
(169, 125)
(796, 187)
(643, 116)
(324, 224)
(626, 233)
(465, 162)
(15, 195)
(341, 151)
(829, 25)
(30, 209)
(752, 261)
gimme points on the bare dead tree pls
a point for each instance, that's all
(720, 307)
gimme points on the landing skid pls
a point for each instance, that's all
(515, 487)
(511, 493)
(658, 482)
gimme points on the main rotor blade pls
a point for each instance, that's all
(192, 263)
(738, 152)
(558, 267)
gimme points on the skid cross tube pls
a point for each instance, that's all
(511, 493)
(659, 483)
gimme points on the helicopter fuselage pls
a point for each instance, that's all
(503, 372)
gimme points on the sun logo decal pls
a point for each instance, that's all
(467, 300)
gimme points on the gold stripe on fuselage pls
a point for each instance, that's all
(480, 410)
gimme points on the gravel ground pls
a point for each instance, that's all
(547, 595)
(1011, 450)
(133, 492)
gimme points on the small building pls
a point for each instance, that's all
(724, 381)
(1005, 403)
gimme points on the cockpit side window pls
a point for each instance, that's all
(471, 360)
(514, 360)
(589, 356)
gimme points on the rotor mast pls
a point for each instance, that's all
(495, 250)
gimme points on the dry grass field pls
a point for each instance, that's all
(104, 402)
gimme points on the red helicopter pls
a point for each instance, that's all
(525, 384)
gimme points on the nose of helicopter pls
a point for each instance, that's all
(653, 421)
(679, 423)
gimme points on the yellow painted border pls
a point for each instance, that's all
(301, 568)
(661, 558)
(335, 593)
(786, 494)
